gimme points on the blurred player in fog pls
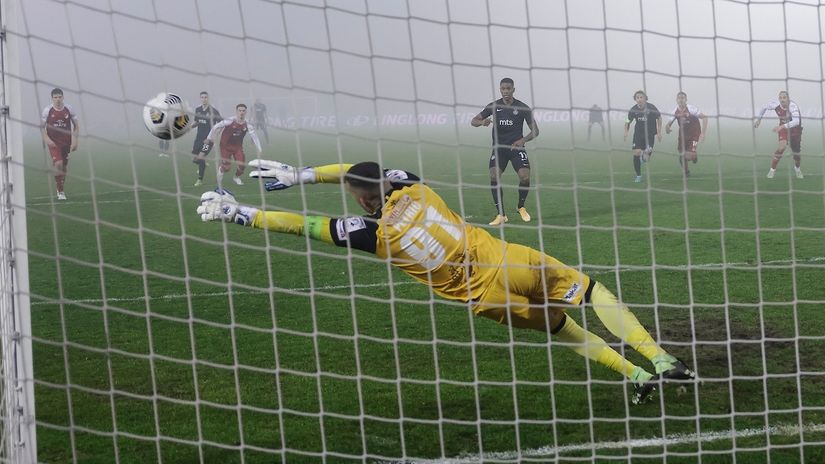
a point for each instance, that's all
(596, 117)
(261, 118)
(206, 116)
(648, 128)
(789, 128)
(60, 127)
(690, 131)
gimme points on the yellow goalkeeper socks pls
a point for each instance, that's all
(330, 173)
(623, 323)
(592, 346)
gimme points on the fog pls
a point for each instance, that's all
(361, 66)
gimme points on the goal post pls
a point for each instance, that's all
(134, 332)
(18, 442)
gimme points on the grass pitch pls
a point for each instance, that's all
(159, 338)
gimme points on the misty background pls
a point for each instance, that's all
(418, 69)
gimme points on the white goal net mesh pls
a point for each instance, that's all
(156, 337)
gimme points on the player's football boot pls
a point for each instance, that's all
(799, 173)
(643, 392)
(679, 371)
(525, 216)
(61, 196)
(637, 179)
(198, 183)
(771, 173)
(500, 219)
(237, 180)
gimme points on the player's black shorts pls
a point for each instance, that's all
(642, 140)
(503, 155)
(199, 147)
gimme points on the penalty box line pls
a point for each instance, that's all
(667, 440)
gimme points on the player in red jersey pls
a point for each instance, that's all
(789, 128)
(234, 130)
(690, 133)
(59, 127)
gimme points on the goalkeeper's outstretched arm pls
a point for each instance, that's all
(282, 176)
(355, 232)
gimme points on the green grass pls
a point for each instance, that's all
(233, 359)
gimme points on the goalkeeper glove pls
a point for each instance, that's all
(220, 205)
(284, 176)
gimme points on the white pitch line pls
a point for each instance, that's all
(668, 440)
(176, 296)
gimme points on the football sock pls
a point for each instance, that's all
(777, 155)
(523, 191)
(637, 165)
(327, 174)
(498, 196)
(622, 323)
(593, 347)
(60, 177)
(797, 161)
(201, 168)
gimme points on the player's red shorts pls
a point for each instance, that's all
(228, 153)
(795, 138)
(688, 146)
(59, 153)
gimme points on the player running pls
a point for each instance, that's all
(690, 131)
(206, 116)
(648, 128)
(233, 130)
(789, 128)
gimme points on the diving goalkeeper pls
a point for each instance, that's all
(412, 227)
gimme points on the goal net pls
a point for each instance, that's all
(132, 331)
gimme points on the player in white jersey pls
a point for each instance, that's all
(789, 128)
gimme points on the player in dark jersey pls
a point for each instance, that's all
(412, 228)
(206, 116)
(508, 116)
(59, 128)
(259, 110)
(596, 117)
(648, 129)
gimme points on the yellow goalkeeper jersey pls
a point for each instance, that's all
(419, 234)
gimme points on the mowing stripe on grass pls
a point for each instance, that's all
(175, 296)
(668, 440)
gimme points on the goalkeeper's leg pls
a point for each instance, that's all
(563, 329)
(623, 324)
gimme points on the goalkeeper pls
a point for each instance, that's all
(412, 227)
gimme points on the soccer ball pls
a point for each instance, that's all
(167, 116)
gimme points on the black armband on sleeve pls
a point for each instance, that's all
(355, 232)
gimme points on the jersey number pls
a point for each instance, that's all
(420, 244)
